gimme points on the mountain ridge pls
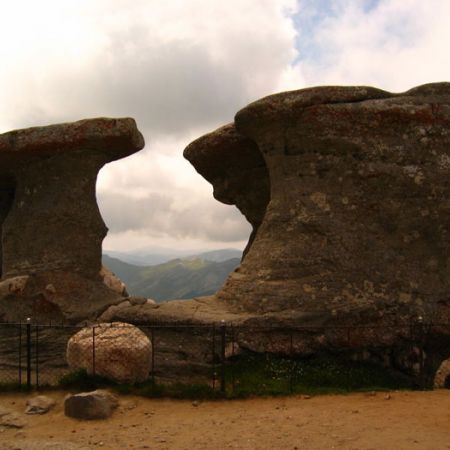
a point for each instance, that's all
(179, 278)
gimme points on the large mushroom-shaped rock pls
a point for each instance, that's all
(118, 351)
(347, 191)
(357, 215)
(50, 225)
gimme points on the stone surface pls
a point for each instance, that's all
(49, 219)
(235, 167)
(347, 192)
(122, 352)
(39, 404)
(97, 404)
(357, 215)
(11, 419)
(113, 281)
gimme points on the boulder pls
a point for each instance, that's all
(50, 224)
(442, 376)
(118, 351)
(93, 405)
(40, 404)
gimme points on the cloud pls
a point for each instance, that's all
(157, 215)
(392, 44)
(180, 68)
(183, 68)
(174, 66)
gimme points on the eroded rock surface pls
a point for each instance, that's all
(50, 225)
(347, 189)
(357, 216)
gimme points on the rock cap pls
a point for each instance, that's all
(116, 137)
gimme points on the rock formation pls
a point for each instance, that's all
(50, 225)
(357, 215)
(347, 191)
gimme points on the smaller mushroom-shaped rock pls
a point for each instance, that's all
(119, 351)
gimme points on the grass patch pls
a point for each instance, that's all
(256, 374)
(80, 379)
(12, 387)
(261, 375)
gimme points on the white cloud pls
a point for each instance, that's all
(184, 67)
(180, 68)
(395, 45)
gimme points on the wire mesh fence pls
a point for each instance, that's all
(227, 358)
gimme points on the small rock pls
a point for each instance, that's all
(387, 397)
(39, 405)
(306, 397)
(10, 419)
(195, 403)
(98, 404)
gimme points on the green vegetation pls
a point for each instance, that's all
(260, 375)
(9, 387)
(176, 279)
(256, 374)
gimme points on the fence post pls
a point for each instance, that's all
(214, 356)
(93, 350)
(223, 338)
(421, 335)
(291, 362)
(153, 354)
(36, 354)
(233, 342)
(20, 354)
(28, 353)
(348, 364)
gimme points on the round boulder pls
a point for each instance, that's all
(119, 351)
(442, 375)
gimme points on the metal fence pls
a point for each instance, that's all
(234, 358)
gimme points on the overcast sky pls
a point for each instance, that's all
(182, 68)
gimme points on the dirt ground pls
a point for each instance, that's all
(399, 420)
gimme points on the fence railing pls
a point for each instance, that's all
(235, 358)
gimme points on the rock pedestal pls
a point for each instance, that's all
(347, 190)
(49, 219)
(356, 216)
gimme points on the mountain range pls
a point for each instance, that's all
(179, 278)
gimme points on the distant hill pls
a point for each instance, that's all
(218, 255)
(175, 279)
(161, 255)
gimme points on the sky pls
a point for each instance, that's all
(183, 68)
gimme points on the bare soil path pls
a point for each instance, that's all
(399, 420)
